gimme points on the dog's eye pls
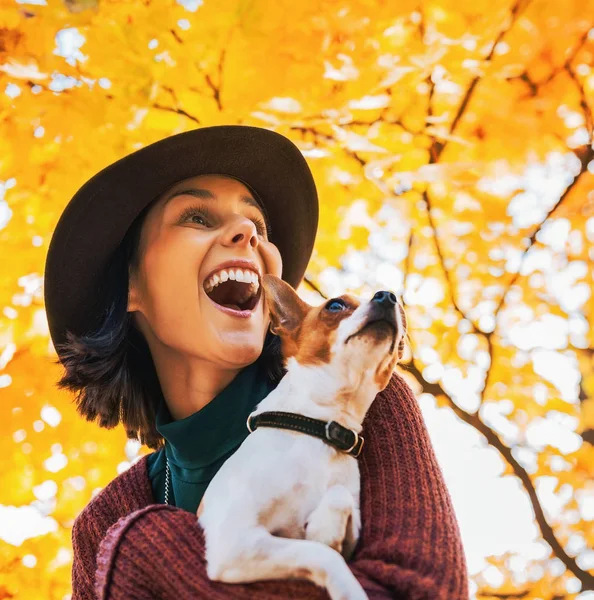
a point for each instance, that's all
(335, 305)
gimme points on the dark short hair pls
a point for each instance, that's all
(111, 369)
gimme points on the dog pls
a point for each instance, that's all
(297, 515)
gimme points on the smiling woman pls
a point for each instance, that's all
(154, 303)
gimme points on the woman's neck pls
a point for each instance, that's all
(189, 388)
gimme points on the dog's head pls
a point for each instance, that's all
(355, 341)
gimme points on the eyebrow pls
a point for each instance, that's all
(204, 194)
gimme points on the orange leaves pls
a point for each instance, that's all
(440, 136)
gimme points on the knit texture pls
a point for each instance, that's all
(125, 546)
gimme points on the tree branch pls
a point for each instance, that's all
(216, 88)
(314, 287)
(441, 257)
(179, 111)
(586, 156)
(536, 85)
(439, 147)
(493, 439)
(327, 138)
(474, 420)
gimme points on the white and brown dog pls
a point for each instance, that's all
(297, 515)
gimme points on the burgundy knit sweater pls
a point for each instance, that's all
(128, 547)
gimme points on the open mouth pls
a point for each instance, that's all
(234, 294)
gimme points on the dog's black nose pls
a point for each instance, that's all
(385, 298)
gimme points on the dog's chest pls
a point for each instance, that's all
(292, 472)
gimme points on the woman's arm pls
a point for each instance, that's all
(158, 552)
(124, 495)
(410, 539)
(85, 542)
(410, 546)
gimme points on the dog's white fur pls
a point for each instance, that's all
(286, 504)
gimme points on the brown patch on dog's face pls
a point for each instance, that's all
(317, 336)
(381, 378)
(307, 332)
(200, 509)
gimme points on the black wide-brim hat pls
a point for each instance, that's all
(98, 216)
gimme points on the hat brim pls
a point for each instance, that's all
(98, 216)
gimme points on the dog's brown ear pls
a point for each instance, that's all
(287, 309)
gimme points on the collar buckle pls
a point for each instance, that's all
(346, 439)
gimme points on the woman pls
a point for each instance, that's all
(147, 341)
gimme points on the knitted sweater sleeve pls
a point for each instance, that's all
(410, 546)
(91, 525)
(85, 542)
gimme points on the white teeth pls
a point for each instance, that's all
(244, 276)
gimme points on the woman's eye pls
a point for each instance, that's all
(335, 305)
(198, 218)
(201, 215)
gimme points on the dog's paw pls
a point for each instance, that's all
(332, 521)
(343, 585)
(352, 535)
(326, 533)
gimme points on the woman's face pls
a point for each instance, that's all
(196, 226)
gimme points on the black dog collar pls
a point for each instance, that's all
(331, 432)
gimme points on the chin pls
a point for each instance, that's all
(242, 353)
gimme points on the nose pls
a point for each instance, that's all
(384, 298)
(243, 232)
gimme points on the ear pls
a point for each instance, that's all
(133, 299)
(287, 310)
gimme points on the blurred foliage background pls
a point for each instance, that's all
(451, 142)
